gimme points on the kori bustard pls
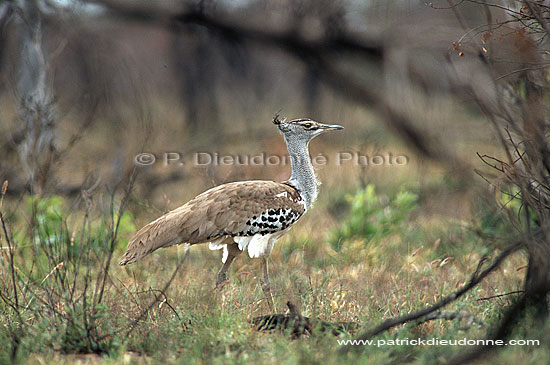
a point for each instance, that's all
(244, 215)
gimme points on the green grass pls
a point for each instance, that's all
(376, 257)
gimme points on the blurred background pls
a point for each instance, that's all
(122, 77)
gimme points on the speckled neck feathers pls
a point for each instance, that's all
(303, 175)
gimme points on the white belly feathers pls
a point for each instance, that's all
(257, 245)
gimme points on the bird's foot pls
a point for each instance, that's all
(220, 285)
(266, 287)
(221, 280)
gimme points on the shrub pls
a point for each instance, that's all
(374, 216)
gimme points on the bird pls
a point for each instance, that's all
(244, 215)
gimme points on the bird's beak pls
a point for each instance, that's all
(330, 127)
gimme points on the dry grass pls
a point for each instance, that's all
(429, 254)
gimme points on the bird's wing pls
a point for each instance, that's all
(241, 208)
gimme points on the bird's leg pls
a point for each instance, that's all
(266, 284)
(232, 252)
(222, 274)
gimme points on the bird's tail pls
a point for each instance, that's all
(148, 239)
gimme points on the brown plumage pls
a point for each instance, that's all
(249, 215)
(226, 210)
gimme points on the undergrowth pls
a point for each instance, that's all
(62, 294)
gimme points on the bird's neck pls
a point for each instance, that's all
(303, 176)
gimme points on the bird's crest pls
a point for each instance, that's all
(278, 121)
(281, 123)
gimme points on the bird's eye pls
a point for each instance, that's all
(307, 125)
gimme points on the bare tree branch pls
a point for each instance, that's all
(474, 280)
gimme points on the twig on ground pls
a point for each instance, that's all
(451, 315)
(500, 333)
(501, 295)
(474, 280)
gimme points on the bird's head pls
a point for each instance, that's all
(303, 129)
